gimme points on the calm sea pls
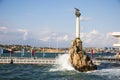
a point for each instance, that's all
(106, 71)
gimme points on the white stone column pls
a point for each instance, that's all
(77, 13)
(77, 27)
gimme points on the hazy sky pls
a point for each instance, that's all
(52, 22)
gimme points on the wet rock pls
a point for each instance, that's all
(79, 59)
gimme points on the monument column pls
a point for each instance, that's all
(77, 13)
(78, 58)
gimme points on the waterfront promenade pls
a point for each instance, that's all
(47, 59)
(32, 60)
(107, 59)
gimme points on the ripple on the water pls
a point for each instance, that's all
(42, 72)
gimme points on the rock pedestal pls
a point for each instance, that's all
(79, 59)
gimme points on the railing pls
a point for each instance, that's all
(114, 60)
(15, 60)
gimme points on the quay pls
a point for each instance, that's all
(109, 59)
(17, 60)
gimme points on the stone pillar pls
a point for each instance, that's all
(77, 27)
(77, 13)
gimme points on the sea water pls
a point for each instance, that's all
(105, 71)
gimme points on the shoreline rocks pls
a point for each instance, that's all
(79, 59)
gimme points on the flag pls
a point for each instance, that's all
(92, 53)
(32, 51)
(1, 50)
(22, 52)
(12, 51)
(44, 54)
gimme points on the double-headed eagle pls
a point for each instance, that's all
(77, 13)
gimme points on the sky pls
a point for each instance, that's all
(52, 23)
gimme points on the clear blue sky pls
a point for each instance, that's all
(57, 16)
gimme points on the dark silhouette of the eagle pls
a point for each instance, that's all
(77, 13)
(77, 9)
